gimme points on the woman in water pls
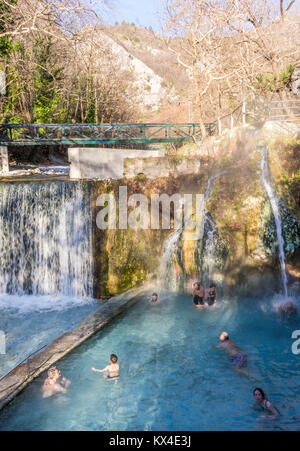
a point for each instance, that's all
(211, 295)
(261, 400)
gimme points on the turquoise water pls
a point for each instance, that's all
(171, 377)
(30, 322)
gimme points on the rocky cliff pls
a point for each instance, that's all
(239, 224)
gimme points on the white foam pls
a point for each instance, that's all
(28, 303)
(281, 299)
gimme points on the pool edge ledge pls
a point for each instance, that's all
(21, 376)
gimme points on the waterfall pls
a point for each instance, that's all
(46, 239)
(167, 272)
(209, 249)
(274, 201)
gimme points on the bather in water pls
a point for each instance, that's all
(262, 401)
(110, 371)
(52, 385)
(211, 296)
(287, 310)
(239, 359)
(198, 295)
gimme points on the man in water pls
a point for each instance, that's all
(287, 310)
(154, 299)
(52, 386)
(211, 296)
(198, 295)
(238, 358)
(111, 371)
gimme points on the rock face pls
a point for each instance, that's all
(150, 87)
(290, 229)
(239, 236)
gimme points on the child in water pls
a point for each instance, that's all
(112, 370)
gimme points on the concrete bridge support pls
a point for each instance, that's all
(4, 166)
(103, 164)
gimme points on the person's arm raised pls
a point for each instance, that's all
(98, 371)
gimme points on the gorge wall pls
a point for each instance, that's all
(242, 229)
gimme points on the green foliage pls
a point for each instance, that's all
(6, 21)
(274, 82)
(47, 99)
(9, 113)
(91, 110)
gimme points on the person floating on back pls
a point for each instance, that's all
(198, 295)
(287, 310)
(211, 295)
(262, 400)
(52, 386)
(239, 359)
(110, 371)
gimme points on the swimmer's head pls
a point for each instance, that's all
(113, 358)
(259, 394)
(154, 297)
(52, 372)
(224, 336)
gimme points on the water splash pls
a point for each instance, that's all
(46, 239)
(274, 201)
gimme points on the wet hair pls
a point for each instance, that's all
(155, 294)
(113, 358)
(212, 285)
(51, 371)
(260, 391)
(198, 285)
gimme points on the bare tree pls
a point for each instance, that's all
(199, 46)
(232, 48)
(21, 17)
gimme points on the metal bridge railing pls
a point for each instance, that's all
(69, 134)
(273, 110)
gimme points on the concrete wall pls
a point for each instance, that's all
(103, 164)
(160, 167)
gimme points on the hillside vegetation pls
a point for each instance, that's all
(62, 64)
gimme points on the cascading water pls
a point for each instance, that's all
(209, 249)
(46, 239)
(266, 181)
(167, 272)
